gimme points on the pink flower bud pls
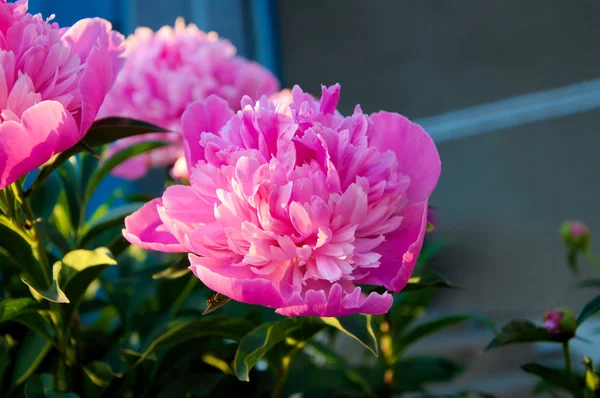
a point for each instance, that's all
(576, 235)
(561, 321)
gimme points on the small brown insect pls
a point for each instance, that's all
(213, 300)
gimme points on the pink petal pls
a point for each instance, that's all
(180, 169)
(145, 229)
(238, 283)
(417, 155)
(46, 129)
(95, 83)
(89, 33)
(400, 250)
(100, 49)
(330, 97)
(200, 117)
(339, 302)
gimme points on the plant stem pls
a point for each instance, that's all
(567, 354)
(34, 232)
(385, 343)
(189, 288)
(592, 258)
(282, 377)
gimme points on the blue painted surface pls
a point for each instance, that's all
(70, 11)
(267, 35)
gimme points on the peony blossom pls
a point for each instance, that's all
(52, 83)
(291, 206)
(164, 73)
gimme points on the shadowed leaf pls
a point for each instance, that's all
(520, 331)
(358, 327)
(590, 309)
(556, 377)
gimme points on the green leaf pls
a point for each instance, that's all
(461, 394)
(401, 343)
(593, 283)
(177, 270)
(79, 269)
(109, 164)
(69, 176)
(225, 327)
(333, 358)
(216, 302)
(408, 307)
(17, 248)
(428, 278)
(37, 323)
(100, 373)
(358, 327)
(13, 307)
(554, 376)
(591, 308)
(101, 132)
(105, 131)
(42, 386)
(30, 355)
(54, 293)
(257, 343)
(44, 199)
(412, 374)
(542, 387)
(5, 360)
(520, 331)
(200, 384)
(115, 217)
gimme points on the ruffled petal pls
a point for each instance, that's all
(400, 250)
(145, 229)
(417, 155)
(101, 50)
(339, 302)
(238, 283)
(199, 117)
(45, 129)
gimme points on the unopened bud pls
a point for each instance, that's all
(576, 235)
(561, 321)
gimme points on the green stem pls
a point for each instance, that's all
(592, 258)
(385, 343)
(285, 372)
(567, 354)
(189, 288)
(34, 231)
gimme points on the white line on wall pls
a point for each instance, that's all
(512, 112)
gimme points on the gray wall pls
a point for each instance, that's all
(425, 57)
(502, 195)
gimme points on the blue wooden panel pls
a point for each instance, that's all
(70, 11)
(266, 32)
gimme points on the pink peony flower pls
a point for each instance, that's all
(52, 83)
(291, 207)
(164, 73)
